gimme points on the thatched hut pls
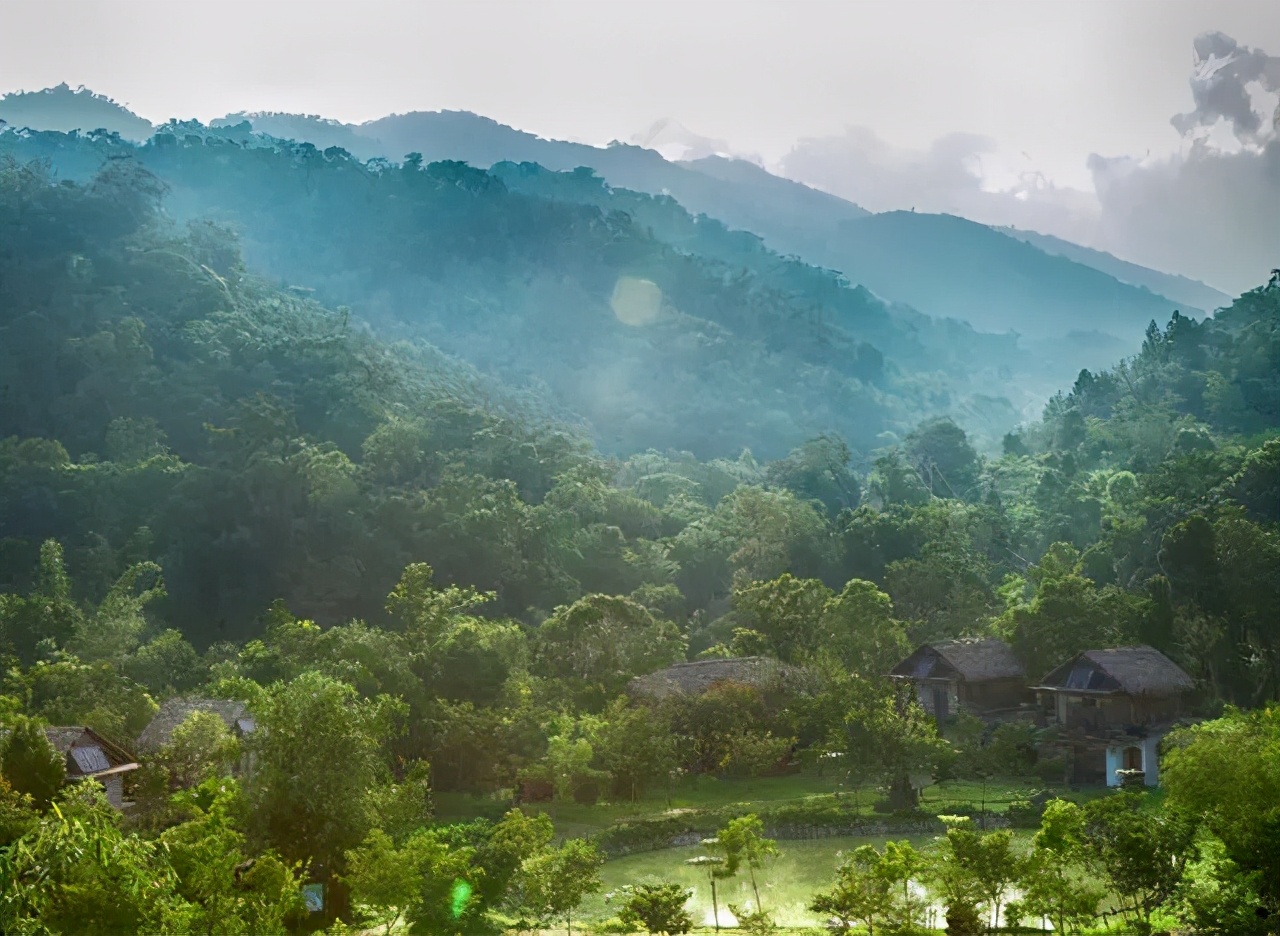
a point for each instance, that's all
(697, 677)
(1112, 707)
(174, 712)
(89, 756)
(979, 675)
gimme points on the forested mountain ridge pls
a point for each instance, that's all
(162, 404)
(428, 588)
(1191, 293)
(944, 266)
(660, 329)
(941, 265)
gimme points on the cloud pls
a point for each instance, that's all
(962, 174)
(1210, 211)
(1232, 82)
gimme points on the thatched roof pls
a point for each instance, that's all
(971, 659)
(1131, 670)
(175, 711)
(697, 677)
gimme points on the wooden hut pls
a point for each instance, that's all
(1112, 708)
(979, 675)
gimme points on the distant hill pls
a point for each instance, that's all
(659, 328)
(994, 285)
(1191, 293)
(62, 109)
(954, 267)
(1049, 291)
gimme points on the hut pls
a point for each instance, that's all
(697, 677)
(979, 675)
(1111, 708)
(174, 712)
(89, 756)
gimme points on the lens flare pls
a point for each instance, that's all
(459, 897)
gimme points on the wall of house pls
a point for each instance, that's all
(1150, 748)
(995, 694)
(927, 692)
(115, 791)
(1089, 765)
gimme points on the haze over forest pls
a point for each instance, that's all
(377, 466)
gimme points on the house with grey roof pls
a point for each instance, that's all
(699, 676)
(174, 712)
(1111, 708)
(89, 756)
(978, 675)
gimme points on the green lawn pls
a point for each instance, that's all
(573, 819)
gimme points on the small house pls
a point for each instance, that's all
(699, 676)
(978, 675)
(89, 756)
(174, 712)
(1112, 708)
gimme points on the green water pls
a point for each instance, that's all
(787, 884)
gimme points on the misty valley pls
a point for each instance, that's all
(420, 525)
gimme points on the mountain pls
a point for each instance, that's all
(61, 108)
(657, 328)
(1193, 294)
(959, 268)
(1048, 292)
(995, 286)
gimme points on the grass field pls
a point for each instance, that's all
(574, 819)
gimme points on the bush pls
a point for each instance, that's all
(1051, 769)
(659, 908)
(1025, 814)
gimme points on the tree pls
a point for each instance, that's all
(1053, 884)
(953, 877)
(230, 891)
(893, 740)
(873, 888)
(76, 872)
(634, 744)
(31, 765)
(858, 626)
(600, 642)
(319, 750)
(48, 617)
(783, 610)
(555, 882)
(382, 878)
(516, 837)
(947, 463)
(713, 865)
(659, 908)
(742, 841)
(1142, 855)
(995, 866)
(199, 748)
(1227, 773)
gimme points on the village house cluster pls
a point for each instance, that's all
(1104, 711)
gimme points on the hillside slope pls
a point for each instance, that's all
(990, 283)
(711, 345)
(1191, 293)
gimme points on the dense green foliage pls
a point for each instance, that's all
(420, 580)
(659, 329)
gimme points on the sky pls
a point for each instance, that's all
(1056, 81)
(830, 93)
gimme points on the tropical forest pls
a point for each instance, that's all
(530, 537)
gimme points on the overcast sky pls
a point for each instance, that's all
(1057, 81)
